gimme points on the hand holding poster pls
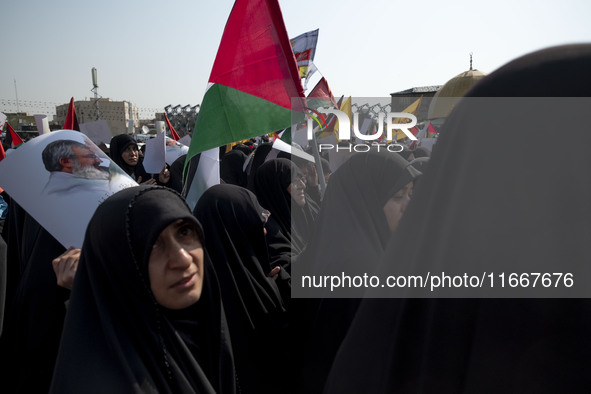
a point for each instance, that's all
(59, 179)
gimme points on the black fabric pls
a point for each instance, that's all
(352, 217)
(176, 174)
(118, 144)
(246, 149)
(116, 337)
(271, 182)
(231, 171)
(35, 306)
(259, 157)
(498, 206)
(325, 166)
(351, 234)
(421, 152)
(233, 222)
(191, 170)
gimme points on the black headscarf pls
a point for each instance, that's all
(176, 174)
(271, 182)
(231, 168)
(116, 337)
(259, 156)
(491, 197)
(351, 234)
(35, 308)
(118, 145)
(352, 226)
(233, 220)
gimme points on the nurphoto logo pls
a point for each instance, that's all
(364, 138)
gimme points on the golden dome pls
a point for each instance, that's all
(450, 93)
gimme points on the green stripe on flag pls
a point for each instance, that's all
(229, 115)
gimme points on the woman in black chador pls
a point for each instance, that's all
(496, 198)
(145, 314)
(125, 153)
(233, 222)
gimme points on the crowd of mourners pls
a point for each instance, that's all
(162, 298)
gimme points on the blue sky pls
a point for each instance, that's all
(158, 53)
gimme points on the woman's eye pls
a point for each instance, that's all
(185, 231)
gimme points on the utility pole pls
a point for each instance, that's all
(16, 94)
(95, 90)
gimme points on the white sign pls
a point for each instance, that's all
(97, 131)
(42, 124)
(154, 159)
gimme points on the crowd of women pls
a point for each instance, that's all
(165, 299)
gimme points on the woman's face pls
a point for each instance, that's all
(175, 266)
(297, 189)
(396, 205)
(130, 155)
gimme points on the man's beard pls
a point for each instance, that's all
(90, 172)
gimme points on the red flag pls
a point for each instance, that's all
(71, 122)
(16, 140)
(321, 95)
(431, 132)
(173, 133)
(2, 157)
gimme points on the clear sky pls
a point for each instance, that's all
(159, 53)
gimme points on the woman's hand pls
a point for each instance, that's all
(274, 273)
(164, 176)
(65, 267)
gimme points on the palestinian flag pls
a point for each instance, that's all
(14, 138)
(253, 80)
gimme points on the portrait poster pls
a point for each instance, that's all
(174, 150)
(60, 179)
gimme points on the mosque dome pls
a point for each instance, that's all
(446, 98)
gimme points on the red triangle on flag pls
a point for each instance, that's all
(255, 55)
(16, 139)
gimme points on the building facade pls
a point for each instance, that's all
(116, 113)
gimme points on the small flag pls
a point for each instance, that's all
(304, 49)
(431, 131)
(71, 122)
(2, 157)
(16, 140)
(321, 96)
(173, 133)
